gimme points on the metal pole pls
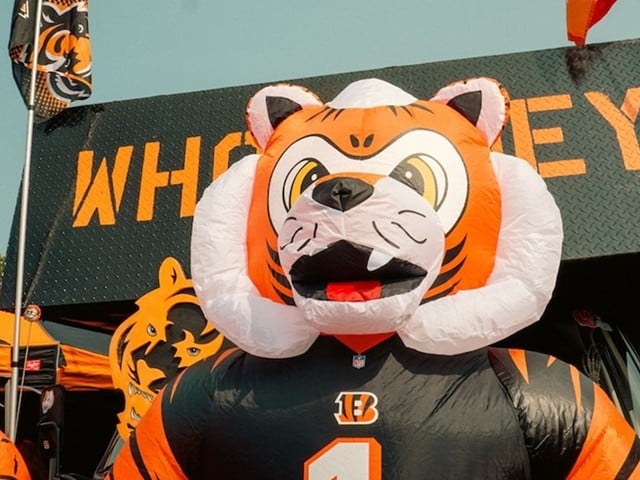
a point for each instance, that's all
(12, 428)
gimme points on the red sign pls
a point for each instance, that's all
(32, 365)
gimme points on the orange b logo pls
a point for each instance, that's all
(356, 408)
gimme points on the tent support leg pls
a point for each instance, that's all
(11, 426)
(8, 408)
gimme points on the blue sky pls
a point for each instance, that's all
(143, 49)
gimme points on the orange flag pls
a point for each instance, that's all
(584, 14)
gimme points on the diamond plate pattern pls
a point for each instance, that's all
(66, 265)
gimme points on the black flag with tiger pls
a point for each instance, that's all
(64, 54)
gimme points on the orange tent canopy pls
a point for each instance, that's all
(78, 368)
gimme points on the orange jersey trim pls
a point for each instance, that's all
(147, 453)
(607, 445)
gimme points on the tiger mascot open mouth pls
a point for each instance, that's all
(373, 214)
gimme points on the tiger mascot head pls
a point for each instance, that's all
(374, 214)
(165, 335)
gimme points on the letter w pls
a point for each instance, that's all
(101, 194)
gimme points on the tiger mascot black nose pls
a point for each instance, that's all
(342, 193)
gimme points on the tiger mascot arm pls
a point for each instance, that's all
(147, 452)
(572, 429)
(166, 442)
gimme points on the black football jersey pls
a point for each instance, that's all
(394, 414)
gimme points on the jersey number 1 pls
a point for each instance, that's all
(346, 459)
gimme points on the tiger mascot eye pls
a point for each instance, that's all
(365, 263)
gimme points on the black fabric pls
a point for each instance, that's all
(439, 417)
(342, 193)
(280, 108)
(469, 105)
(40, 369)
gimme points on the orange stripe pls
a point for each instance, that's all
(222, 356)
(348, 408)
(562, 168)
(607, 445)
(154, 447)
(84, 369)
(152, 442)
(175, 385)
(124, 466)
(551, 360)
(519, 358)
(575, 380)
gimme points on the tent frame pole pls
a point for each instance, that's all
(12, 428)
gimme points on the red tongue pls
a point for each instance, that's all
(359, 291)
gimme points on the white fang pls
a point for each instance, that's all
(378, 259)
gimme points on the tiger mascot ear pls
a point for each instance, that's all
(271, 105)
(482, 101)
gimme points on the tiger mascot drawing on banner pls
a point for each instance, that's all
(164, 336)
(366, 263)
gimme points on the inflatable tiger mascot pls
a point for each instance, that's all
(365, 263)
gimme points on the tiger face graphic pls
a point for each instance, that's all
(376, 213)
(164, 336)
(64, 62)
